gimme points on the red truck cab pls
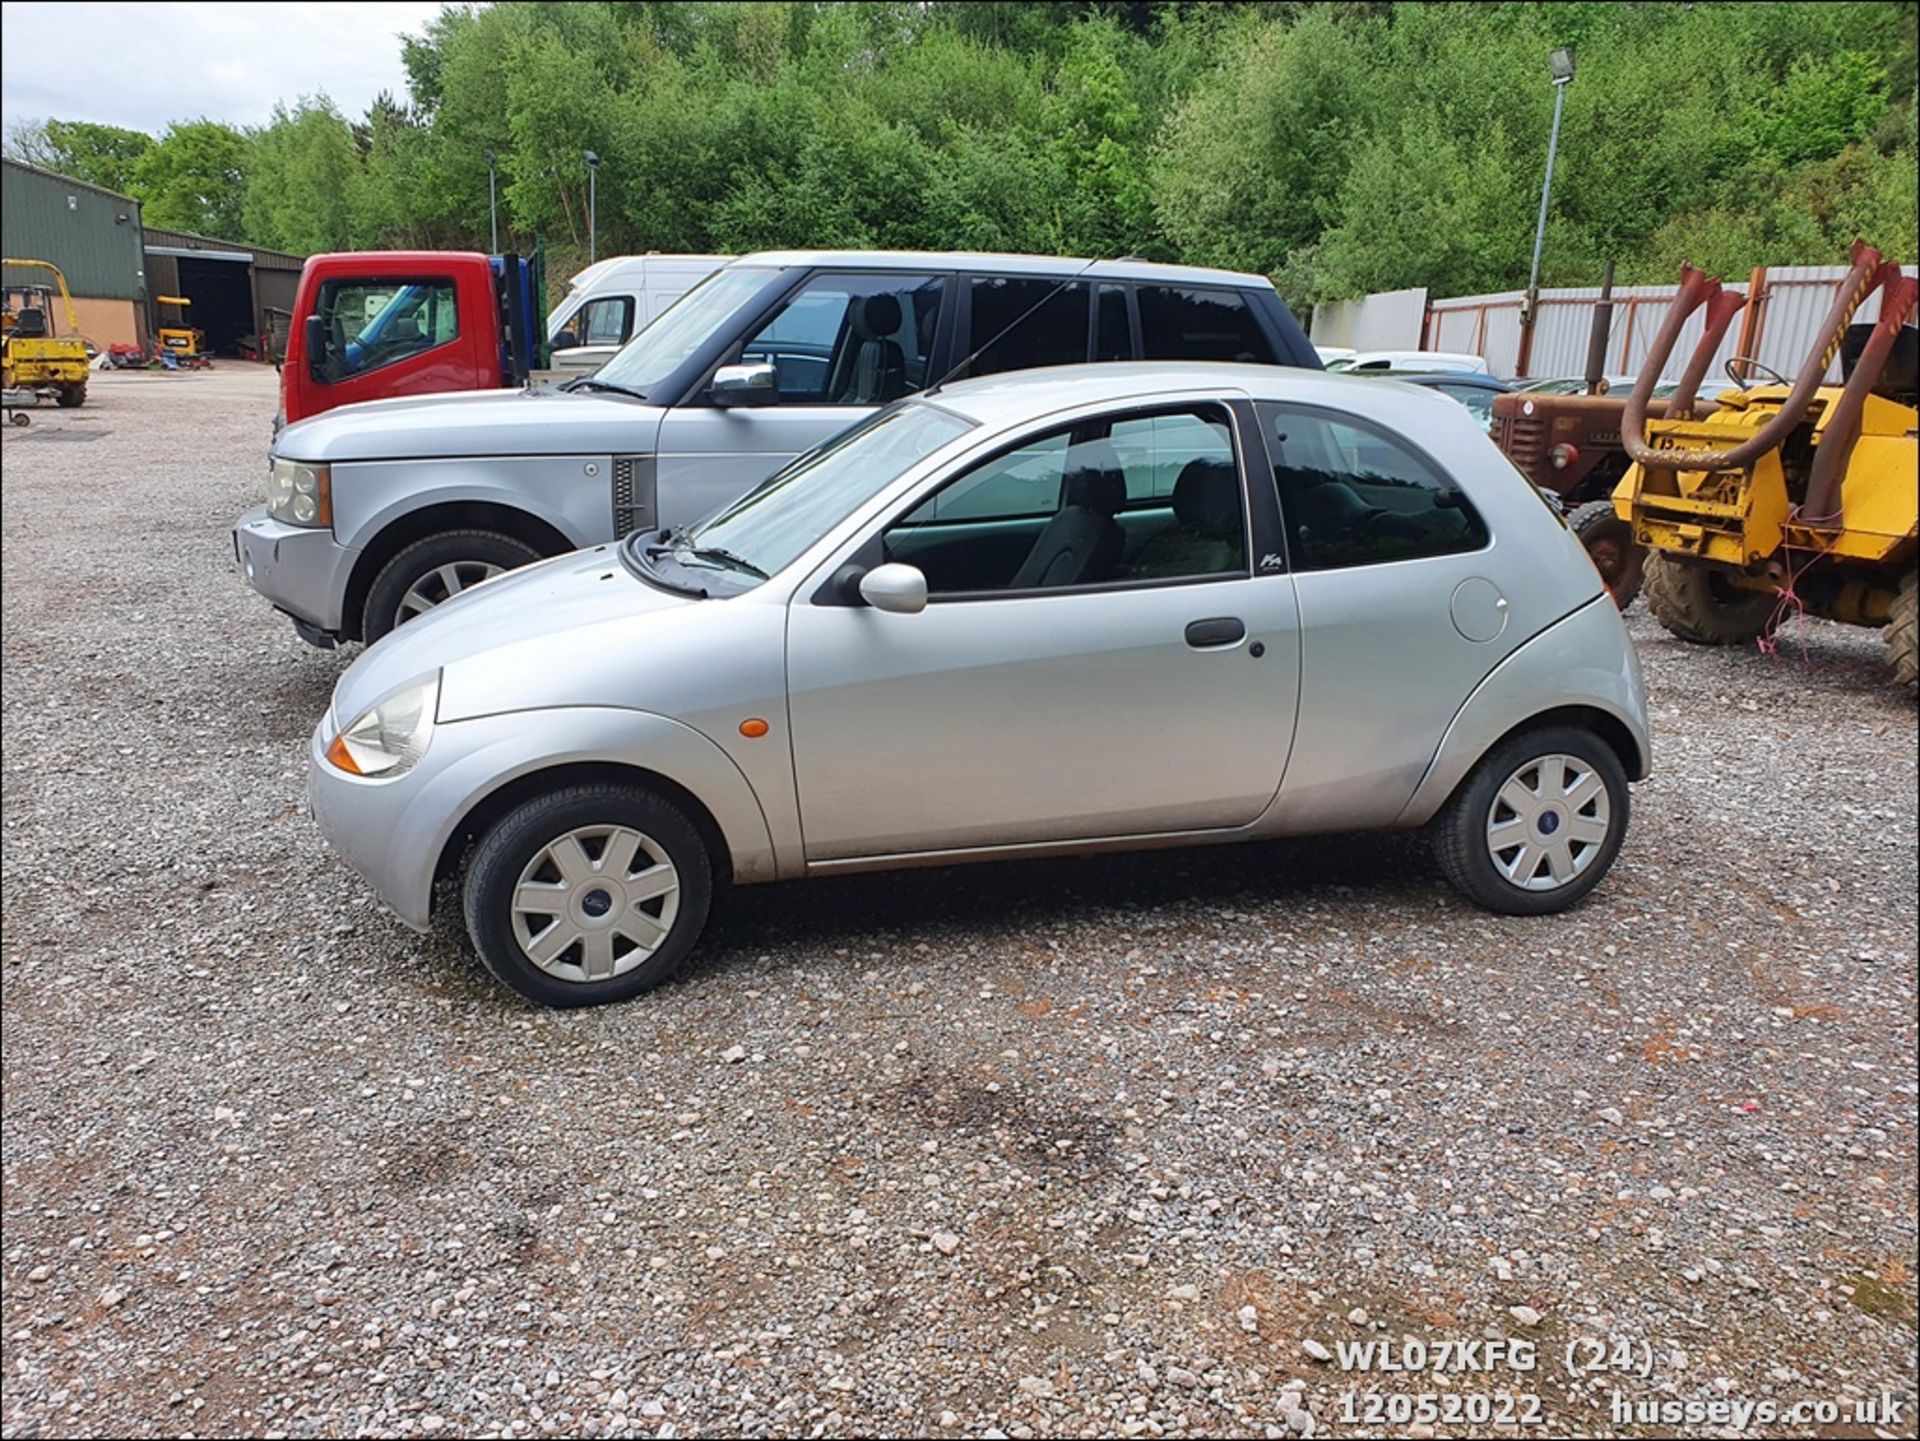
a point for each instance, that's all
(369, 325)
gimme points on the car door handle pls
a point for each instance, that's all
(1221, 630)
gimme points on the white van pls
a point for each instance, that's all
(1423, 360)
(612, 299)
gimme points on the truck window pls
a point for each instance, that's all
(1187, 322)
(606, 321)
(367, 324)
(852, 339)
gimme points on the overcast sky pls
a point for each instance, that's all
(141, 65)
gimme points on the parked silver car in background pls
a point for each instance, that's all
(378, 512)
(1095, 608)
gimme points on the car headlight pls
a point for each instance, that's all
(391, 734)
(299, 494)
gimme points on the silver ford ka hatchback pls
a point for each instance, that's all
(1075, 610)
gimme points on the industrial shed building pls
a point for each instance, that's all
(92, 234)
(241, 295)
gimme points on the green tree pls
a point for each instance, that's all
(195, 179)
(102, 155)
(304, 170)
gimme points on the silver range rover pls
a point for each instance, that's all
(376, 513)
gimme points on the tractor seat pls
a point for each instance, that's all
(31, 324)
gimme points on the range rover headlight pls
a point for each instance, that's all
(299, 494)
(391, 734)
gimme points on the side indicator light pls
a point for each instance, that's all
(339, 756)
(753, 728)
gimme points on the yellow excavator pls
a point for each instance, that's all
(1792, 495)
(33, 355)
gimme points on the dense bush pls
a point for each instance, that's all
(1340, 148)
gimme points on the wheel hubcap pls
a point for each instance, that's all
(595, 902)
(1548, 822)
(442, 584)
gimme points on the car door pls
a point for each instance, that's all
(1146, 688)
(1400, 617)
(834, 361)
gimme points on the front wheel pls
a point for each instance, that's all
(1537, 824)
(72, 394)
(590, 894)
(432, 571)
(1696, 602)
(1619, 558)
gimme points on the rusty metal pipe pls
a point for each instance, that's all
(1599, 333)
(1843, 425)
(1722, 306)
(1695, 289)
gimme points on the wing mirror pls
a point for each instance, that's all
(752, 384)
(901, 589)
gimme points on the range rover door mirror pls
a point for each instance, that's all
(754, 383)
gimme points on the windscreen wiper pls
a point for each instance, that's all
(726, 557)
(593, 382)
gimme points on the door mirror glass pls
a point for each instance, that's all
(901, 589)
(752, 384)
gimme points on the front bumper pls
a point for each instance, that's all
(363, 820)
(302, 570)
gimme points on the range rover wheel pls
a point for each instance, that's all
(434, 570)
(591, 894)
(1611, 547)
(1537, 823)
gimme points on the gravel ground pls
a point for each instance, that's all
(1066, 1148)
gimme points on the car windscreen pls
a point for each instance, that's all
(664, 346)
(770, 526)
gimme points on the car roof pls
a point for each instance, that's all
(970, 260)
(1012, 396)
(1439, 377)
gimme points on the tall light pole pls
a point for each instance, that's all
(493, 207)
(1560, 64)
(593, 207)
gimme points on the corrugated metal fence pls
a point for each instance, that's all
(1793, 299)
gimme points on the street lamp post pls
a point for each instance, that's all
(593, 207)
(493, 208)
(1560, 64)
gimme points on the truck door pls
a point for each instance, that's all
(841, 345)
(379, 336)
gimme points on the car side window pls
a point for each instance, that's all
(1114, 338)
(1190, 322)
(1352, 495)
(607, 321)
(1024, 322)
(368, 324)
(852, 339)
(1115, 501)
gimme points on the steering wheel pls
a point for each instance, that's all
(1752, 366)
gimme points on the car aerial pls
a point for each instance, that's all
(378, 512)
(1404, 360)
(1476, 392)
(1095, 608)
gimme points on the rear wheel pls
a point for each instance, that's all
(1903, 628)
(1697, 603)
(432, 571)
(1537, 824)
(72, 394)
(1620, 559)
(593, 893)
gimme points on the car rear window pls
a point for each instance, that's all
(1189, 322)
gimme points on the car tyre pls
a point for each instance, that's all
(1620, 559)
(525, 875)
(433, 570)
(1494, 840)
